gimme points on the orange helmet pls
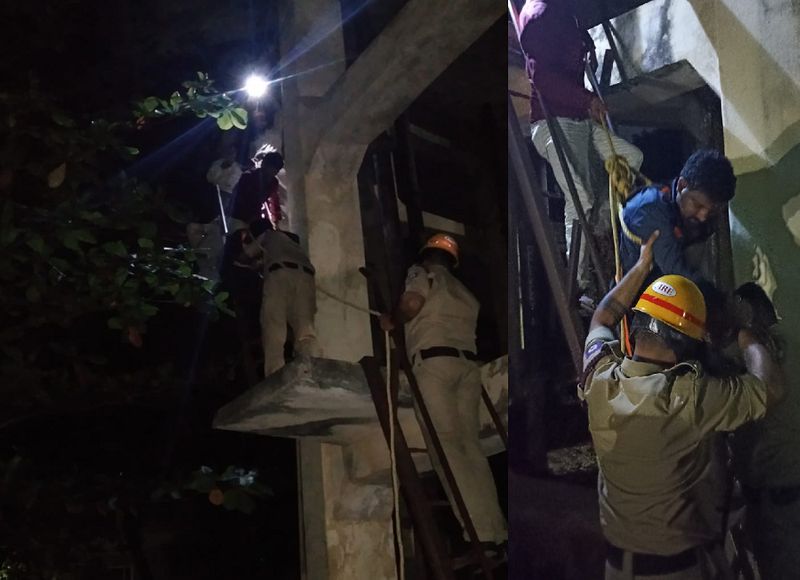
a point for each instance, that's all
(677, 302)
(443, 242)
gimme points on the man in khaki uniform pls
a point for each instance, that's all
(289, 296)
(655, 419)
(440, 316)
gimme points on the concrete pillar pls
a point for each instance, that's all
(329, 118)
(339, 542)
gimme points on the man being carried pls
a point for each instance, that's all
(685, 213)
(655, 419)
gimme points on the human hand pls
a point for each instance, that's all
(387, 324)
(646, 252)
(597, 109)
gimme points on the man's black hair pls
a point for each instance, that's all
(711, 172)
(764, 314)
(685, 347)
(272, 159)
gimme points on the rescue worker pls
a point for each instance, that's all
(556, 47)
(766, 456)
(255, 205)
(685, 212)
(655, 420)
(288, 295)
(440, 316)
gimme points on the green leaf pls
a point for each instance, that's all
(115, 323)
(91, 216)
(149, 310)
(202, 482)
(84, 236)
(239, 118)
(70, 241)
(60, 263)
(236, 499)
(150, 104)
(225, 121)
(36, 243)
(116, 248)
(145, 243)
(131, 150)
(33, 294)
(9, 235)
(147, 230)
(121, 276)
(63, 120)
(56, 177)
(175, 99)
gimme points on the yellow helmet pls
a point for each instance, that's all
(443, 242)
(677, 302)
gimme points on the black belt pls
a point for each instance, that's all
(653, 564)
(779, 496)
(291, 266)
(446, 351)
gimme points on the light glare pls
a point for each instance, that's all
(256, 86)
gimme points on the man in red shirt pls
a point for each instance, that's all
(556, 47)
(258, 196)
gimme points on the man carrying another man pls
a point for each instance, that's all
(655, 419)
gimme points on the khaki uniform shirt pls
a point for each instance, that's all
(448, 317)
(277, 247)
(655, 431)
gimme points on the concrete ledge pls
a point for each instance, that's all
(329, 400)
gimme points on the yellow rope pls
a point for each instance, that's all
(621, 178)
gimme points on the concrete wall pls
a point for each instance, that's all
(329, 118)
(747, 51)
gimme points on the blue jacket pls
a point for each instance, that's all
(654, 208)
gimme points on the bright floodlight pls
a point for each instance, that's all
(255, 86)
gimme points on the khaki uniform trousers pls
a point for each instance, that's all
(586, 146)
(451, 389)
(289, 299)
(711, 565)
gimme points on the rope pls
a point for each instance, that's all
(398, 531)
(621, 178)
(350, 304)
